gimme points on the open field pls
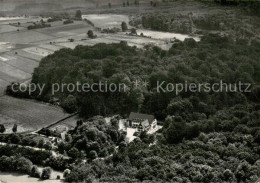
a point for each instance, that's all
(6, 77)
(30, 56)
(23, 37)
(38, 51)
(3, 85)
(50, 47)
(61, 27)
(27, 114)
(107, 20)
(23, 64)
(14, 72)
(5, 46)
(9, 28)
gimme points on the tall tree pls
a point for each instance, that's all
(90, 34)
(46, 173)
(133, 31)
(14, 129)
(78, 15)
(124, 26)
(176, 130)
(47, 146)
(35, 172)
(2, 128)
(41, 143)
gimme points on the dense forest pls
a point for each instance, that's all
(213, 157)
(211, 60)
(161, 22)
(235, 24)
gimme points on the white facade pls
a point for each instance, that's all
(154, 124)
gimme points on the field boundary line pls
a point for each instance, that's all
(34, 60)
(57, 122)
(17, 68)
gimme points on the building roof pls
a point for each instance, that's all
(134, 116)
(137, 120)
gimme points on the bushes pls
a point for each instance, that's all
(46, 173)
(57, 163)
(25, 140)
(14, 89)
(110, 30)
(68, 21)
(78, 15)
(54, 19)
(18, 164)
(70, 104)
(92, 139)
(37, 157)
(93, 154)
(38, 26)
(2, 128)
(91, 35)
(35, 172)
(124, 26)
(24, 166)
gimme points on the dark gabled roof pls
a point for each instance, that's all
(134, 115)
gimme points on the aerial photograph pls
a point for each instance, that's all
(128, 91)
